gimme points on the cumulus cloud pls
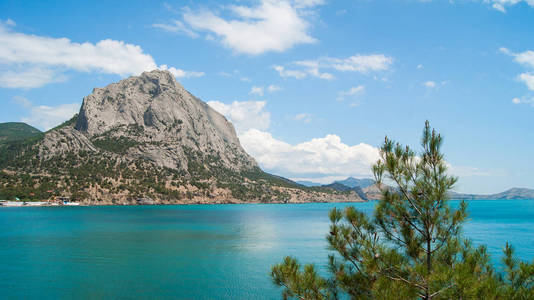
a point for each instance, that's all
(46, 117)
(528, 79)
(267, 26)
(43, 59)
(356, 63)
(526, 59)
(244, 115)
(320, 158)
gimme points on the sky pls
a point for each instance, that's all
(312, 86)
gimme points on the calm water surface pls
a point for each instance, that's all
(192, 252)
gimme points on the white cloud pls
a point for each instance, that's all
(46, 117)
(362, 63)
(523, 100)
(235, 73)
(356, 90)
(308, 3)
(273, 88)
(419, 67)
(500, 5)
(244, 115)
(179, 73)
(303, 117)
(31, 77)
(526, 59)
(356, 63)
(176, 27)
(44, 59)
(319, 157)
(528, 79)
(260, 90)
(256, 90)
(284, 73)
(312, 68)
(268, 26)
(430, 84)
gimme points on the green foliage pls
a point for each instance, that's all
(116, 145)
(14, 132)
(412, 248)
(69, 122)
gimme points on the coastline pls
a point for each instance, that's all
(192, 202)
(98, 203)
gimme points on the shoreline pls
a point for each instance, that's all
(216, 203)
(78, 204)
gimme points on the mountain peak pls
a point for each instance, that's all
(154, 109)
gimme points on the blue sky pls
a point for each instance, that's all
(313, 86)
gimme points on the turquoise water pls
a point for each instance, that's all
(191, 252)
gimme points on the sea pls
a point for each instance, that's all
(194, 251)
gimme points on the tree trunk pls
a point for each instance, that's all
(428, 267)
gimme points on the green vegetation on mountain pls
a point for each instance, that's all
(412, 248)
(16, 132)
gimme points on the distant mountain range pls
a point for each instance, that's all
(513, 193)
(350, 182)
(308, 183)
(367, 190)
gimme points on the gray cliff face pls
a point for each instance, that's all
(158, 119)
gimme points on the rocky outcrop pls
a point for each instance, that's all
(156, 119)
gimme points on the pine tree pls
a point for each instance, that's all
(412, 248)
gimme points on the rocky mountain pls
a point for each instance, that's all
(145, 138)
